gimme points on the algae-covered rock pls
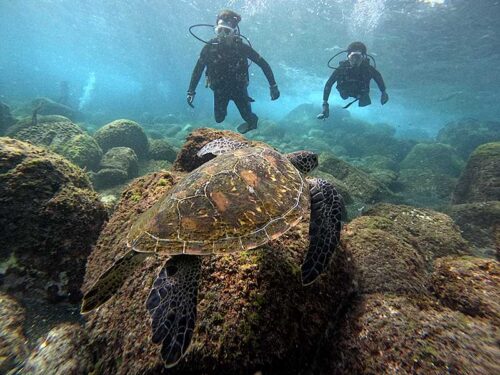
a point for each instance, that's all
(467, 134)
(63, 351)
(253, 312)
(470, 285)
(61, 136)
(480, 225)
(187, 160)
(123, 133)
(433, 233)
(118, 165)
(46, 106)
(390, 334)
(160, 149)
(362, 187)
(436, 157)
(13, 348)
(49, 219)
(6, 118)
(480, 181)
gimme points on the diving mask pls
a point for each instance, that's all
(224, 29)
(355, 58)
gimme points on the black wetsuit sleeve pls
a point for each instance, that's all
(251, 54)
(377, 77)
(198, 70)
(328, 86)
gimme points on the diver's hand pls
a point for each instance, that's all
(384, 98)
(190, 98)
(326, 112)
(275, 92)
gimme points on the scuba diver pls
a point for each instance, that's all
(353, 79)
(225, 58)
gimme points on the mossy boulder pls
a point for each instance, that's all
(118, 165)
(253, 313)
(480, 181)
(46, 106)
(160, 149)
(433, 234)
(399, 334)
(480, 225)
(467, 134)
(13, 348)
(49, 219)
(436, 157)
(64, 350)
(123, 133)
(6, 118)
(470, 285)
(61, 136)
(362, 187)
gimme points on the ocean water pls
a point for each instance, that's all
(107, 60)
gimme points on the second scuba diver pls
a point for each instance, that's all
(353, 79)
(225, 58)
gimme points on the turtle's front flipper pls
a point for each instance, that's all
(220, 146)
(111, 280)
(172, 305)
(327, 209)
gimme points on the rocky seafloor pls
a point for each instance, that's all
(412, 289)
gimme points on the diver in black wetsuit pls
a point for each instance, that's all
(353, 79)
(225, 58)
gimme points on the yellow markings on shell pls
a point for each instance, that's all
(220, 200)
(250, 177)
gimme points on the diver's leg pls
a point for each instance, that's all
(242, 101)
(221, 100)
(364, 100)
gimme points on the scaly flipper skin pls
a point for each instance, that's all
(327, 210)
(172, 305)
(111, 280)
(220, 146)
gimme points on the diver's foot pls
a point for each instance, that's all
(246, 127)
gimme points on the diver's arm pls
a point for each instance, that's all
(377, 77)
(196, 76)
(328, 86)
(259, 60)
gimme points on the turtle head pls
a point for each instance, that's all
(304, 161)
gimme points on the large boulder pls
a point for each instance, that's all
(49, 219)
(118, 165)
(429, 173)
(467, 134)
(362, 187)
(480, 181)
(6, 118)
(421, 307)
(13, 348)
(64, 350)
(253, 312)
(480, 225)
(61, 136)
(160, 149)
(123, 133)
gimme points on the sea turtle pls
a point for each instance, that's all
(237, 201)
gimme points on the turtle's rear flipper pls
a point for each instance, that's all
(327, 209)
(111, 280)
(172, 305)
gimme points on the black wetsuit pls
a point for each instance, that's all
(354, 82)
(227, 74)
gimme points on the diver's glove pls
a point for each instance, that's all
(326, 112)
(275, 92)
(190, 98)
(384, 98)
